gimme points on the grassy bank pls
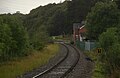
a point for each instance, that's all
(14, 68)
(98, 71)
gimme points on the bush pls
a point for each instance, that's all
(102, 16)
(13, 38)
(109, 41)
(39, 40)
(108, 38)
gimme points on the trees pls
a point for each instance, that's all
(78, 9)
(57, 24)
(19, 35)
(109, 41)
(58, 18)
(13, 37)
(101, 17)
(108, 38)
(5, 40)
(39, 39)
(117, 2)
(103, 24)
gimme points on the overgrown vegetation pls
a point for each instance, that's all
(102, 16)
(19, 66)
(13, 38)
(98, 71)
(111, 52)
(103, 24)
(15, 41)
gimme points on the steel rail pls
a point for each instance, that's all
(57, 64)
(75, 63)
(48, 70)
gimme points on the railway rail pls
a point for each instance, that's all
(64, 66)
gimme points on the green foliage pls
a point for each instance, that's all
(108, 38)
(101, 17)
(78, 9)
(39, 40)
(58, 18)
(5, 39)
(33, 61)
(103, 24)
(13, 37)
(114, 56)
(109, 41)
(44, 21)
(118, 3)
(58, 26)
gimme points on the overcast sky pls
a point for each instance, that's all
(24, 6)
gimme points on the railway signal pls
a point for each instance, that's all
(99, 50)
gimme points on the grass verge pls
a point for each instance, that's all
(21, 65)
(98, 71)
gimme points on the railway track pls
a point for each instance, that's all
(63, 67)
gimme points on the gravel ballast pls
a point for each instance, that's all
(60, 55)
(83, 69)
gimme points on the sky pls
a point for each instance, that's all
(24, 6)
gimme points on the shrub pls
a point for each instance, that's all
(109, 41)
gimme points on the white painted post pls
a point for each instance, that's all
(87, 45)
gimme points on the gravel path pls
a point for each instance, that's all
(83, 69)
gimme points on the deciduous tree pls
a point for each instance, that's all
(101, 17)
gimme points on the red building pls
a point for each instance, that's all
(79, 32)
(82, 31)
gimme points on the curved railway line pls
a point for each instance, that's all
(62, 67)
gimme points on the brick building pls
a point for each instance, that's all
(79, 31)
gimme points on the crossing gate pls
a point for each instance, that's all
(86, 45)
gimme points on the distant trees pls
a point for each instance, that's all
(58, 18)
(78, 9)
(40, 17)
(57, 24)
(39, 39)
(101, 17)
